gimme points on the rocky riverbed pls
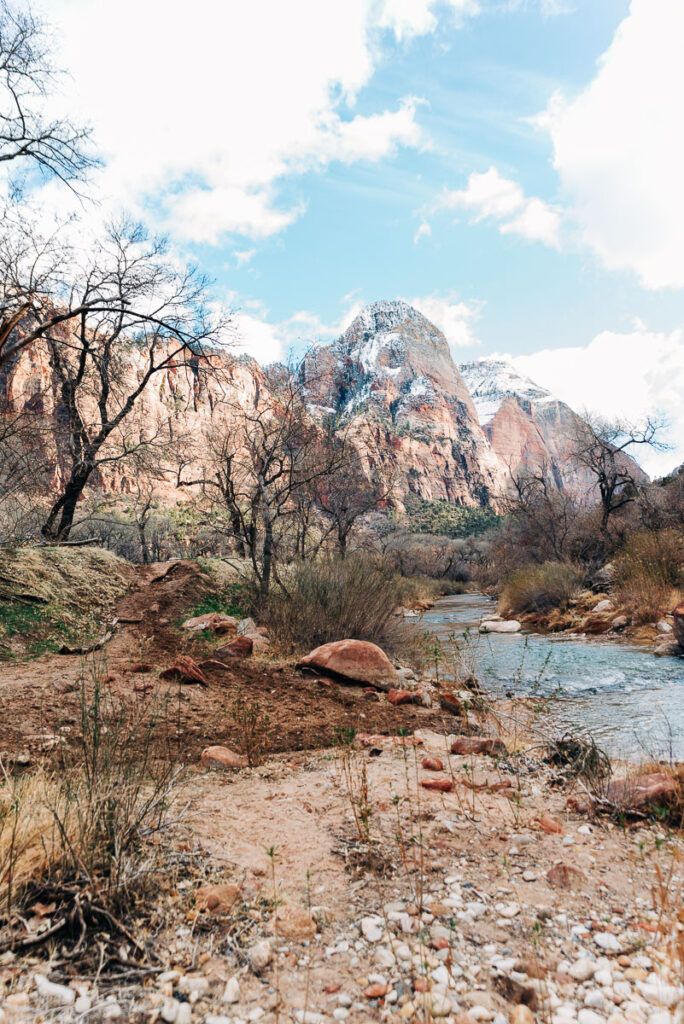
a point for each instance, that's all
(337, 888)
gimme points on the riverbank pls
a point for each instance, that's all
(396, 856)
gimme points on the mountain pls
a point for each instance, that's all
(527, 427)
(392, 368)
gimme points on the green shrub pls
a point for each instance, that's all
(649, 572)
(539, 588)
(337, 599)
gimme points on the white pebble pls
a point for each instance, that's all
(582, 970)
(589, 1017)
(606, 940)
(231, 993)
(61, 994)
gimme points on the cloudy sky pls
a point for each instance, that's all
(512, 167)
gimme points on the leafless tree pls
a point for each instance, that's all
(605, 449)
(105, 356)
(57, 146)
(360, 482)
(543, 513)
(260, 462)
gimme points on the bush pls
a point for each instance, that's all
(649, 571)
(337, 599)
(539, 588)
(86, 836)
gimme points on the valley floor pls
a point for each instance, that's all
(327, 884)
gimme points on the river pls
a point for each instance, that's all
(631, 701)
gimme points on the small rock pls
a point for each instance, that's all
(185, 670)
(565, 876)
(222, 757)
(240, 647)
(398, 697)
(607, 941)
(61, 994)
(589, 1017)
(432, 764)
(442, 785)
(217, 899)
(260, 955)
(582, 970)
(231, 993)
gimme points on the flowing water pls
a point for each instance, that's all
(632, 702)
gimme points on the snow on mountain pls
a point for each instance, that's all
(492, 381)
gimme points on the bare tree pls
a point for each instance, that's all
(543, 513)
(155, 317)
(359, 482)
(57, 146)
(605, 448)
(262, 459)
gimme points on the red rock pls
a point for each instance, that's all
(330, 990)
(217, 898)
(186, 670)
(549, 825)
(432, 764)
(222, 757)
(442, 785)
(104, 680)
(678, 624)
(143, 687)
(376, 991)
(492, 787)
(240, 647)
(421, 985)
(478, 745)
(565, 876)
(440, 943)
(212, 621)
(355, 660)
(401, 697)
(140, 666)
(632, 793)
(450, 703)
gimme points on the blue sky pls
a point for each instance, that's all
(513, 167)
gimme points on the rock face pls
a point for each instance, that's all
(526, 426)
(393, 369)
(356, 660)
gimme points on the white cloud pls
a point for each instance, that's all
(629, 375)
(489, 196)
(244, 256)
(619, 150)
(423, 231)
(273, 340)
(201, 113)
(407, 18)
(456, 319)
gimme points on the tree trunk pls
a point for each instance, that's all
(65, 508)
(267, 563)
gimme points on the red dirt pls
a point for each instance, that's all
(42, 696)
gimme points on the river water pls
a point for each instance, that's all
(631, 701)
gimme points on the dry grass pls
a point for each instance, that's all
(649, 574)
(539, 588)
(336, 599)
(82, 836)
(49, 596)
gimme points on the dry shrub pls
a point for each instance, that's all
(539, 588)
(649, 573)
(337, 599)
(86, 827)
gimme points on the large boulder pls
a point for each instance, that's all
(678, 624)
(355, 660)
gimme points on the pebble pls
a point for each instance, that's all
(308, 1017)
(606, 940)
(344, 999)
(372, 928)
(589, 1017)
(582, 970)
(61, 994)
(231, 993)
(260, 955)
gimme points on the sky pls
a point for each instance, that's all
(513, 168)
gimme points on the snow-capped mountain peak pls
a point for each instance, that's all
(491, 381)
